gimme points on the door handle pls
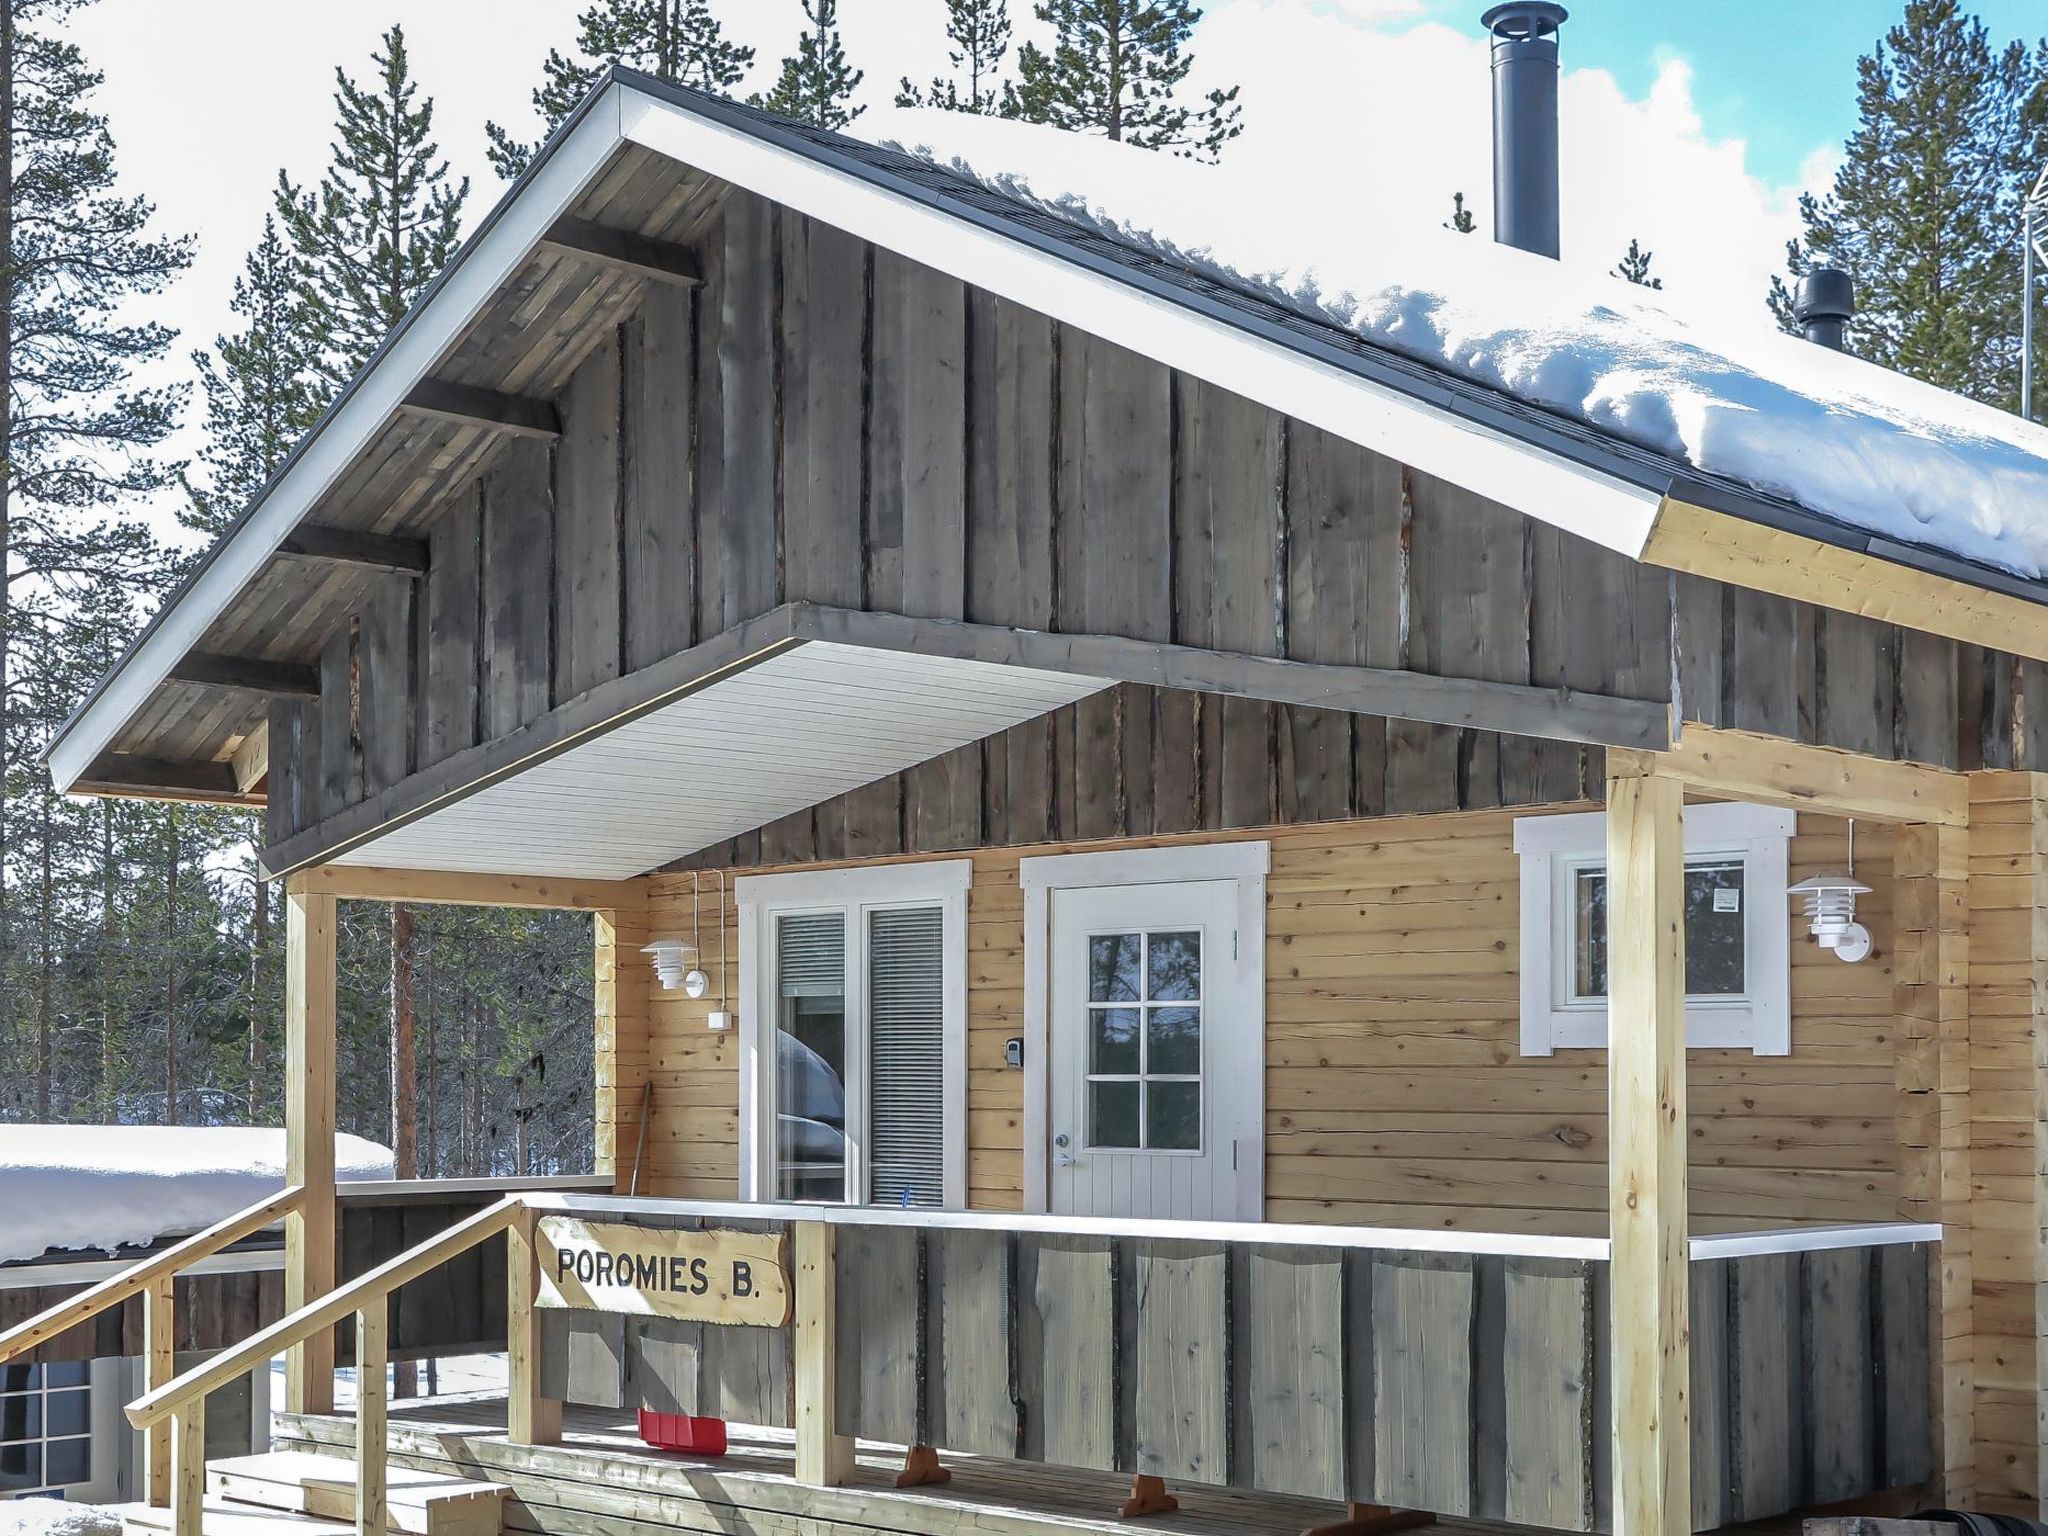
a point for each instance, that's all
(1061, 1157)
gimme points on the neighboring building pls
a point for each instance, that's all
(80, 1204)
(1242, 827)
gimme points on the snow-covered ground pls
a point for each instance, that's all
(56, 1517)
(102, 1186)
(1722, 389)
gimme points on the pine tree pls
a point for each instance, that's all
(1117, 68)
(1922, 209)
(980, 33)
(1461, 221)
(261, 386)
(383, 221)
(1634, 266)
(817, 84)
(78, 433)
(679, 41)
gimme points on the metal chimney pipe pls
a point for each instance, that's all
(1824, 306)
(1525, 123)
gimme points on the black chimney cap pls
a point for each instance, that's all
(1525, 18)
(1825, 293)
(1824, 306)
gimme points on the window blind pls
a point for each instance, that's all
(906, 1044)
(810, 955)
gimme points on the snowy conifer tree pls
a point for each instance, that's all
(260, 384)
(1923, 208)
(675, 40)
(817, 84)
(1118, 68)
(384, 219)
(1634, 266)
(980, 33)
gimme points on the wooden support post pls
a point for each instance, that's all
(1935, 900)
(188, 1464)
(1148, 1497)
(159, 1356)
(1647, 1225)
(530, 1419)
(624, 1001)
(372, 1431)
(824, 1457)
(922, 1468)
(1373, 1520)
(309, 1067)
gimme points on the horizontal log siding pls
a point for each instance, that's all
(1395, 1088)
(826, 423)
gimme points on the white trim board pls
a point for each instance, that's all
(1478, 458)
(1247, 861)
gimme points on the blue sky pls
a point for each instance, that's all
(1778, 73)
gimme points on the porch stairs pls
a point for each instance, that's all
(283, 1492)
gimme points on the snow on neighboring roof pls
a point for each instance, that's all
(1723, 390)
(105, 1186)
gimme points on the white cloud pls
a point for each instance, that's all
(1399, 118)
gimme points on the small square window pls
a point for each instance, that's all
(1737, 929)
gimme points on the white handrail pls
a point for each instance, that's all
(1393, 1239)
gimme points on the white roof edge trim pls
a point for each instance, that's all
(498, 252)
(1487, 462)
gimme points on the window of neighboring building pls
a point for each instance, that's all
(45, 1427)
(853, 1025)
(1737, 929)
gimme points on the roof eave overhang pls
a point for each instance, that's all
(436, 322)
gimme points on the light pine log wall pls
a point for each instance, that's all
(1395, 1088)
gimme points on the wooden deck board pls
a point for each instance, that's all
(602, 1477)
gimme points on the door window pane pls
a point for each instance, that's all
(810, 1057)
(1113, 1114)
(1113, 1041)
(1173, 1116)
(1173, 966)
(1113, 968)
(1174, 1042)
(68, 1463)
(67, 1413)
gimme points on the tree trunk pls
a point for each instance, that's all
(46, 972)
(405, 1102)
(432, 1160)
(171, 860)
(6, 470)
(110, 1092)
(259, 997)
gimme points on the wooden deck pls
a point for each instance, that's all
(603, 1481)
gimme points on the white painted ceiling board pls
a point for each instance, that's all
(800, 727)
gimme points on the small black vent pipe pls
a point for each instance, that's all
(1824, 306)
(1525, 123)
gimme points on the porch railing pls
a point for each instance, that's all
(1461, 1374)
(154, 1279)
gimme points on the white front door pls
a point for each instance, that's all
(1155, 1033)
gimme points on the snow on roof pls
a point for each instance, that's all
(106, 1186)
(1723, 390)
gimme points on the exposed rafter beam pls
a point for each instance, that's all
(251, 762)
(153, 778)
(249, 674)
(350, 546)
(359, 883)
(624, 251)
(441, 400)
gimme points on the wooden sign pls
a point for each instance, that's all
(700, 1277)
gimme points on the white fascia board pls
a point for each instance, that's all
(1487, 462)
(498, 252)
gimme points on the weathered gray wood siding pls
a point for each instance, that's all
(823, 421)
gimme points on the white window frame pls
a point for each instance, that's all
(855, 892)
(1554, 848)
(1248, 863)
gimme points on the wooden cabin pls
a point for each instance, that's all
(1239, 888)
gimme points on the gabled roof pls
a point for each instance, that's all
(1588, 481)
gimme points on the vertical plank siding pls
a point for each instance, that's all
(828, 422)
